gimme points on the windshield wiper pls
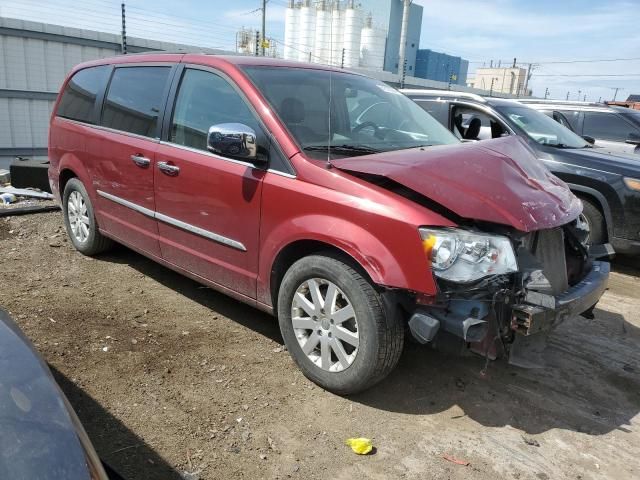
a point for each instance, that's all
(559, 145)
(343, 149)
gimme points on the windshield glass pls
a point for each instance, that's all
(541, 128)
(354, 115)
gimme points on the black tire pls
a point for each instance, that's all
(597, 224)
(95, 242)
(381, 336)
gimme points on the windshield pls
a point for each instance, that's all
(351, 114)
(541, 128)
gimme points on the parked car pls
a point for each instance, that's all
(614, 129)
(346, 210)
(608, 185)
(41, 434)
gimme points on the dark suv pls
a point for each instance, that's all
(608, 185)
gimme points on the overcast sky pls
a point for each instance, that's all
(538, 32)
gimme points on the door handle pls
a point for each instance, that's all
(140, 161)
(167, 169)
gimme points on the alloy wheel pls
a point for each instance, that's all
(78, 217)
(325, 324)
(582, 223)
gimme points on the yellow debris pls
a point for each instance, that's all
(361, 446)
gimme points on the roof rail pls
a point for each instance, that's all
(562, 102)
(443, 93)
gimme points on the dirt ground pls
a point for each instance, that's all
(173, 380)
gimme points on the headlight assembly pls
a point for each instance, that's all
(461, 256)
(632, 183)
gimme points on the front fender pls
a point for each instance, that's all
(405, 269)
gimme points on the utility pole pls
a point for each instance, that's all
(615, 94)
(264, 16)
(123, 37)
(546, 92)
(579, 92)
(491, 88)
(342, 61)
(530, 70)
(568, 96)
(402, 54)
(257, 52)
(404, 73)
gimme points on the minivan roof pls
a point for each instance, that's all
(160, 56)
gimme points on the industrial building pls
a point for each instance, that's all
(365, 34)
(441, 67)
(507, 80)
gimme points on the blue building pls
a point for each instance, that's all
(441, 67)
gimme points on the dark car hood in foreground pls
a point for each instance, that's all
(40, 436)
(499, 181)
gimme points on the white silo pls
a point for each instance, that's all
(306, 38)
(352, 29)
(291, 23)
(322, 43)
(372, 45)
(337, 30)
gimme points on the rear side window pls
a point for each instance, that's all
(134, 99)
(79, 97)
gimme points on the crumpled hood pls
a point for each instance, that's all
(499, 181)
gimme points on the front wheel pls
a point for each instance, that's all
(335, 326)
(592, 220)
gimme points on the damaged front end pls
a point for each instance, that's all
(501, 294)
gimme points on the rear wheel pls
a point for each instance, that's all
(80, 220)
(335, 327)
(593, 221)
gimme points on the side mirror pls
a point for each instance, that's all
(590, 140)
(234, 140)
(633, 139)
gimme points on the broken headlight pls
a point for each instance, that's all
(463, 256)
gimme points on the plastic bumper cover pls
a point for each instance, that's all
(542, 312)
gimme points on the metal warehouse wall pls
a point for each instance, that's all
(34, 59)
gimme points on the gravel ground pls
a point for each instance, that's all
(173, 380)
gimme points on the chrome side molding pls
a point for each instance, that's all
(161, 217)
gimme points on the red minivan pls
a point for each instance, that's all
(326, 198)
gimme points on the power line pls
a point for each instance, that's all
(551, 62)
(588, 75)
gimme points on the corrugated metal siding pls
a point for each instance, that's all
(24, 123)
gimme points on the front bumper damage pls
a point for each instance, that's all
(513, 315)
(542, 311)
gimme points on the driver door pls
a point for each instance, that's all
(208, 206)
